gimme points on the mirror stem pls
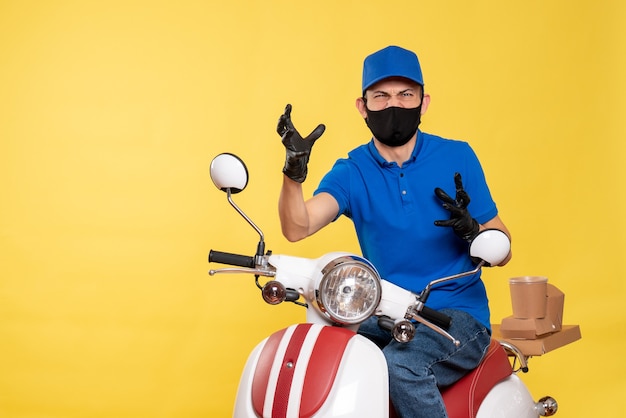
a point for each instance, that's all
(426, 292)
(261, 245)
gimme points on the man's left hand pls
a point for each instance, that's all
(464, 226)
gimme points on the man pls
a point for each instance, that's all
(413, 232)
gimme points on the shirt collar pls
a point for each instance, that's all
(384, 163)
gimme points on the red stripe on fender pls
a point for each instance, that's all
(263, 369)
(285, 377)
(322, 369)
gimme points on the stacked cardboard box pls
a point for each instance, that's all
(540, 329)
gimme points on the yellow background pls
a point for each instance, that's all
(110, 112)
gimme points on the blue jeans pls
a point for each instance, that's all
(428, 363)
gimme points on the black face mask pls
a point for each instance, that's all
(394, 126)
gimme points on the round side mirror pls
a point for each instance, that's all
(491, 245)
(229, 172)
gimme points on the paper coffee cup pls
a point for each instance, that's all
(529, 296)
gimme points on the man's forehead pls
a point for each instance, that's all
(395, 83)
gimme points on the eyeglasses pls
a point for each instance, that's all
(379, 99)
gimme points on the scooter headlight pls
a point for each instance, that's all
(349, 290)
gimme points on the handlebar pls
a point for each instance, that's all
(440, 319)
(231, 259)
(437, 318)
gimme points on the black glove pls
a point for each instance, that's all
(298, 149)
(464, 226)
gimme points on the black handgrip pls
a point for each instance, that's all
(436, 317)
(231, 259)
(386, 323)
(292, 295)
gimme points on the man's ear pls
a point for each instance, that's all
(425, 103)
(361, 106)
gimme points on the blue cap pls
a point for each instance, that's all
(391, 61)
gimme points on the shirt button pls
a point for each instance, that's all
(403, 191)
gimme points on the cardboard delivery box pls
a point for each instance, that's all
(536, 326)
(532, 328)
(542, 345)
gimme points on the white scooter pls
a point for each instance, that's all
(323, 368)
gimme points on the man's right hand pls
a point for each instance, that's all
(297, 149)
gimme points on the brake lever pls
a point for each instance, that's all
(240, 270)
(436, 328)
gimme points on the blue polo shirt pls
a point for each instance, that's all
(394, 208)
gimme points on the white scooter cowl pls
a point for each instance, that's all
(317, 371)
(508, 399)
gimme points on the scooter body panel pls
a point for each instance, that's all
(508, 399)
(357, 388)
